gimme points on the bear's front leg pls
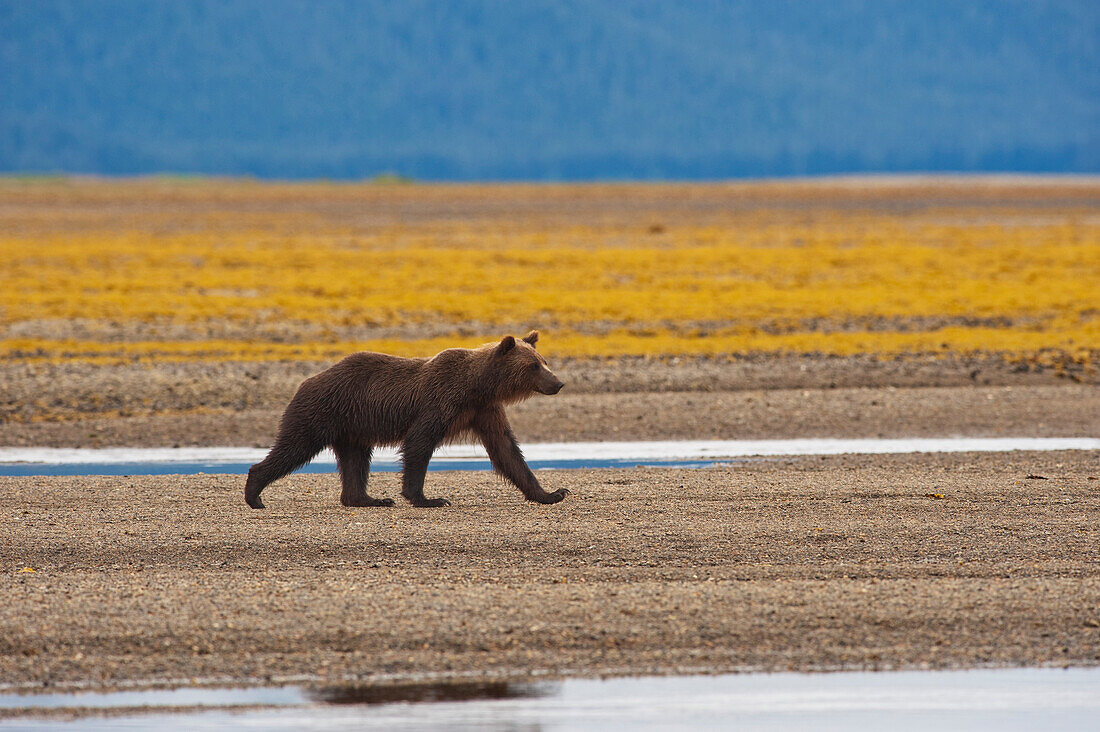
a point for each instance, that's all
(492, 428)
(415, 454)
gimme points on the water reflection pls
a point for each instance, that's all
(994, 700)
(431, 692)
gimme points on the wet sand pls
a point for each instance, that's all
(844, 562)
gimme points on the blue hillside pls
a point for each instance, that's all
(563, 89)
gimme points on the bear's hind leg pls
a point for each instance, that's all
(354, 464)
(415, 455)
(285, 457)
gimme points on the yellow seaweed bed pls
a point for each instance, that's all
(234, 270)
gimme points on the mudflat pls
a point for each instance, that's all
(853, 562)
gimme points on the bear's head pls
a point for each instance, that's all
(518, 370)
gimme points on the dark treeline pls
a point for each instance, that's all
(549, 89)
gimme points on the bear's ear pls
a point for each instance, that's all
(532, 338)
(506, 344)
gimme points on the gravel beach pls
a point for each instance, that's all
(914, 561)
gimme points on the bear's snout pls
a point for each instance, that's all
(549, 384)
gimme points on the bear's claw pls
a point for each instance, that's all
(555, 497)
(431, 503)
(366, 501)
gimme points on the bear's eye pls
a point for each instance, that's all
(534, 367)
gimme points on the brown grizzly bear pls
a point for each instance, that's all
(371, 399)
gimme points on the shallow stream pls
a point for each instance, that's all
(1002, 700)
(672, 453)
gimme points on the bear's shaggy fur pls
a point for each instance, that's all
(371, 399)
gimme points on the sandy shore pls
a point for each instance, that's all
(848, 562)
